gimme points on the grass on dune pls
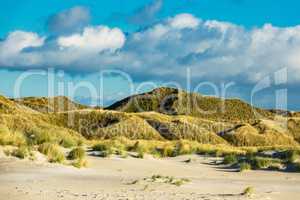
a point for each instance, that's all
(78, 157)
(53, 152)
(76, 153)
(8, 137)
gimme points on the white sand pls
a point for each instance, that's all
(109, 178)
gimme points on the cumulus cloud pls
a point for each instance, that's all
(15, 43)
(94, 39)
(213, 50)
(184, 21)
(69, 20)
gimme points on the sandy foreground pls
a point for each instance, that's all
(123, 178)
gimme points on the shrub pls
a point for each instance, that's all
(40, 136)
(101, 147)
(76, 153)
(184, 147)
(168, 151)
(68, 142)
(79, 163)
(14, 138)
(245, 166)
(22, 152)
(122, 153)
(230, 159)
(263, 163)
(248, 191)
(140, 153)
(53, 152)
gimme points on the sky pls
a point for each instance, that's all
(98, 52)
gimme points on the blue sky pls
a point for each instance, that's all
(32, 15)
(220, 41)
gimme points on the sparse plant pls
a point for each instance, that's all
(140, 153)
(245, 166)
(101, 147)
(230, 159)
(21, 152)
(77, 153)
(167, 179)
(53, 152)
(79, 163)
(248, 191)
(68, 142)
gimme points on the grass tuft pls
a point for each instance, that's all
(230, 159)
(248, 191)
(53, 152)
(244, 166)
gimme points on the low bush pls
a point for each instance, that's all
(22, 152)
(77, 153)
(230, 159)
(53, 152)
(140, 153)
(248, 191)
(245, 166)
(101, 147)
(262, 163)
(68, 142)
(14, 138)
(79, 163)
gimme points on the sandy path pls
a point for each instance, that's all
(109, 178)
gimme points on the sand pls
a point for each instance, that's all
(119, 178)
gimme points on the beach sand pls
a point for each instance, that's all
(123, 178)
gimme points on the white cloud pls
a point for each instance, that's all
(15, 42)
(94, 39)
(184, 21)
(213, 50)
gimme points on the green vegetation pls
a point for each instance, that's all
(167, 179)
(77, 153)
(176, 123)
(174, 101)
(245, 166)
(248, 191)
(8, 137)
(21, 152)
(53, 152)
(79, 163)
(101, 147)
(230, 159)
(45, 105)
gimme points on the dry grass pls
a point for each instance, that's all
(53, 152)
(77, 153)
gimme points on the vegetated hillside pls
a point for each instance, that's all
(178, 102)
(22, 126)
(162, 121)
(102, 124)
(8, 106)
(51, 104)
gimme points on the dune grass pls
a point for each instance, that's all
(53, 152)
(8, 137)
(79, 163)
(76, 153)
(21, 152)
(244, 166)
(248, 191)
(230, 159)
